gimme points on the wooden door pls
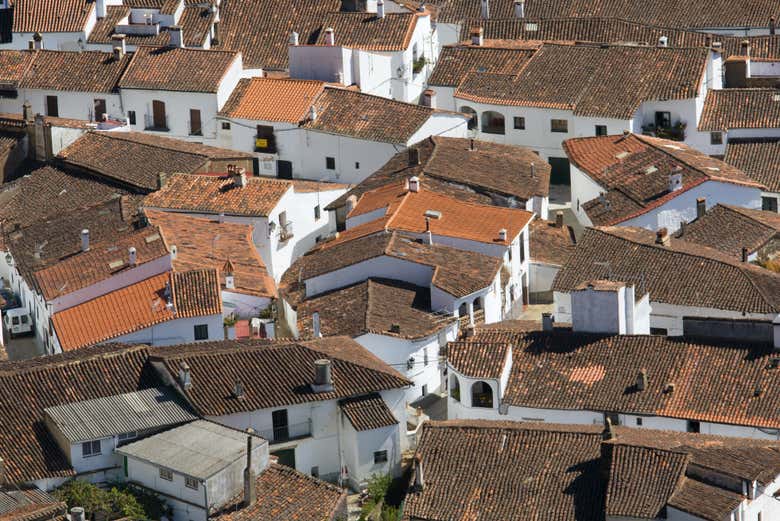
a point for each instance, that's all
(195, 126)
(52, 108)
(158, 115)
(100, 109)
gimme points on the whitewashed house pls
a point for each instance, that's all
(327, 407)
(305, 129)
(386, 54)
(287, 217)
(551, 245)
(634, 180)
(757, 157)
(66, 27)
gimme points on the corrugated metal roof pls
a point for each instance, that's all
(119, 414)
(199, 449)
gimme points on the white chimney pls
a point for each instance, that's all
(485, 9)
(77, 514)
(185, 377)
(119, 40)
(174, 251)
(84, 239)
(502, 235)
(477, 36)
(675, 179)
(323, 379)
(351, 203)
(176, 35)
(240, 177)
(520, 8)
(547, 321)
(419, 478)
(380, 9)
(230, 281)
(100, 9)
(662, 237)
(414, 184)
(330, 36)
(313, 113)
(132, 256)
(663, 41)
(293, 38)
(315, 324)
(429, 98)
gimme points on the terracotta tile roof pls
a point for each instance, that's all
(196, 22)
(759, 158)
(177, 69)
(368, 32)
(51, 121)
(604, 81)
(477, 358)
(85, 71)
(367, 412)
(51, 16)
(705, 501)
(703, 277)
(102, 261)
(204, 243)
(457, 61)
(363, 116)
(284, 494)
(28, 449)
(105, 28)
(136, 158)
(731, 228)
(469, 221)
(634, 170)
(48, 193)
(13, 66)
(30, 504)
(265, 99)
(506, 471)
(372, 306)
(740, 108)
(214, 195)
(274, 374)
(136, 307)
(550, 244)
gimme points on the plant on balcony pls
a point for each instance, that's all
(418, 64)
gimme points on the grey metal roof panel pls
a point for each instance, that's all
(119, 414)
(199, 449)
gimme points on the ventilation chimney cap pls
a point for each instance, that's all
(84, 239)
(641, 380)
(502, 234)
(414, 184)
(323, 380)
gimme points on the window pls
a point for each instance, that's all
(225, 125)
(131, 117)
(716, 138)
(90, 448)
(639, 422)
(315, 472)
(380, 456)
(202, 332)
(24, 319)
(357, 165)
(519, 123)
(693, 426)
(317, 213)
(601, 130)
(265, 141)
(559, 125)
(127, 436)
(166, 474)
(330, 163)
(492, 122)
(658, 331)
(159, 118)
(191, 483)
(481, 395)
(425, 390)
(100, 109)
(281, 425)
(663, 119)
(470, 112)
(51, 106)
(195, 126)
(769, 204)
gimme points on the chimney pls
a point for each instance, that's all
(119, 40)
(470, 331)
(215, 25)
(559, 219)
(429, 98)
(351, 203)
(471, 144)
(240, 177)
(84, 239)
(185, 378)
(27, 113)
(414, 183)
(485, 9)
(323, 381)
(477, 36)
(745, 254)
(745, 46)
(132, 256)
(313, 113)
(419, 478)
(662, 237)
(316, 325)
(238, 390)
(174, 251)
(161, 180)
(502, 235)
(708, 40)
(772, 24)
(414, 156)
(609, 431)
(663, 41)
(176, 35)
(76, 514)
(519, 8)
(330, 36)
(250, 491)
(380, 9)
(228, 270)
(681, 232)
(675, 179)
(533, 170)
(701, 207)
(294, 38)
(547, 321)
(641, 380)
(38, 41)
(100, 9)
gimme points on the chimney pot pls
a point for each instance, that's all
(663, 41)
(559, 219)
(414, 184)
(316, 325)
(294, 38)
(323, 379)
(185, 377)
(701, 207)
(132, 256)
(351, 203)
(313, 113)
(161, 180)
(745, 44)
(485, 9)
(547, 321)
(330, 36)
(84, 239)
(471, 144)
(502, 234)
(662, 237)
(429, 98)
(240, 177)
(477, 36)
(419, 478)
(27, 113)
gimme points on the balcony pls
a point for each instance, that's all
(674, 132)
(285, 433)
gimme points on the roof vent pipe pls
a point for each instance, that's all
(323, 379)
(414, 183)
(293, 38)
(132, 256)
(84, 239)
(519, 8)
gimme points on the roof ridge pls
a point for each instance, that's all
(47, 363)
(123, 136)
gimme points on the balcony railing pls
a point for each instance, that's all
(674, 133)
(290, 432)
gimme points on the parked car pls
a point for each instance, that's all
(8, 300)
(17, 321)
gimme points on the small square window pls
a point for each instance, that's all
(131, 116)
(519, 123)
(330, 163)
(639, 422)
(601, 130)
(202, 332)
(315, 471)
(357, 165)
(380, 456)
(166, 474)
(225, 125)
(769, 204)
(716, 138)
(90, 448)
(191, 483)
(559, 125)
(694, 426)
(317, 213)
